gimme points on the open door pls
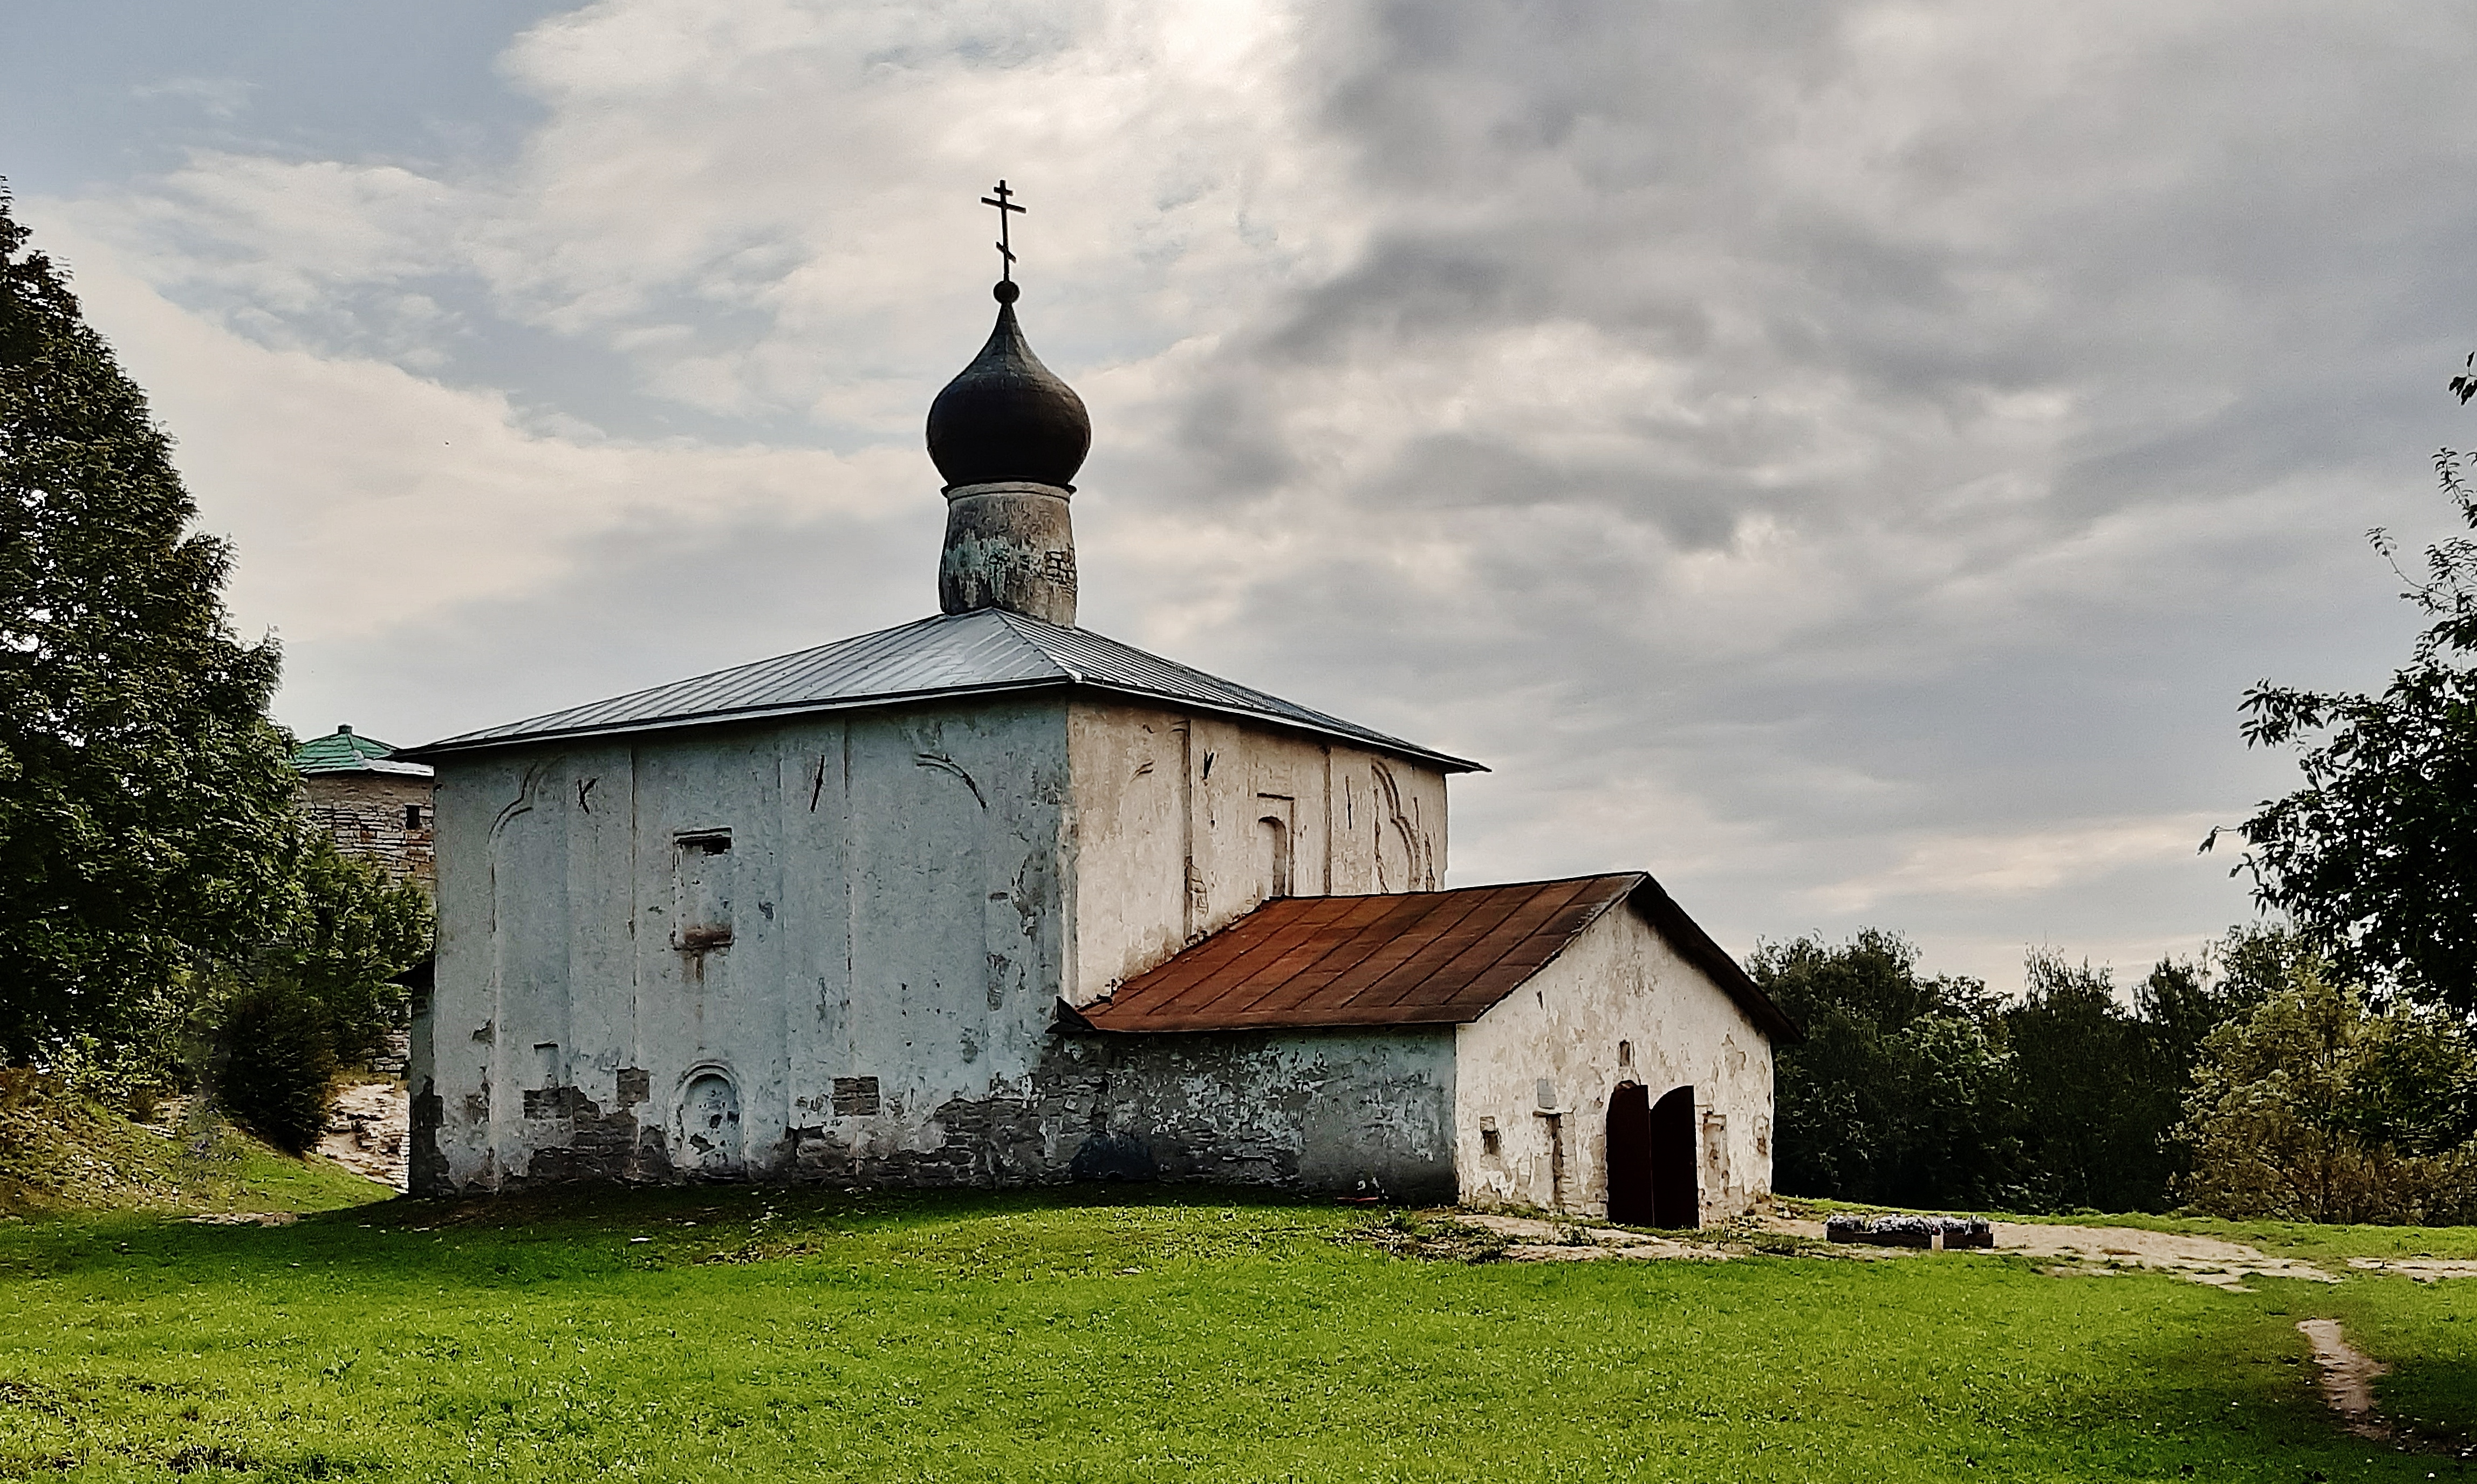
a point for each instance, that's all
(1630, 1202)
(1674, 1198)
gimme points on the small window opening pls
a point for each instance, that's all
(413, 816)
(1491, 1141)
(704, 868)
(1625, 1054)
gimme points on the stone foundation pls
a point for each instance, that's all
(1335, 1112)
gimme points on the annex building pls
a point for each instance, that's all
(987, 898)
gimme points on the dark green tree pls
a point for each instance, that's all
(1897, 1094)
(145, 802)
(351, 928)
(2375, 858)
(1931, 1092)
(2084, 1094)
(154, 873)
(278, 1064)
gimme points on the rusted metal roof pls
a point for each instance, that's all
(984, 651)
(1410, 959)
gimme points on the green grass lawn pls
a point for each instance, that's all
(61, 1154)
(744, 1335)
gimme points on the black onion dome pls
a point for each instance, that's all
(1005, 416)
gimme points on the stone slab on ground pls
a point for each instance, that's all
(1542, 1238)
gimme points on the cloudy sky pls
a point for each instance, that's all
(1847, 458)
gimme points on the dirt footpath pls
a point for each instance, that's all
(368, 1131)
(2073, 1250)
(2212, 1260)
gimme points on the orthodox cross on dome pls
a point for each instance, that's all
(1006, 251)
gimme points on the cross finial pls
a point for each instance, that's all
(1006, 252)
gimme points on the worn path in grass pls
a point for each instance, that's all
(731, 1335)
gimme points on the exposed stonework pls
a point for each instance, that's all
(383, 818)
(1345, 1112)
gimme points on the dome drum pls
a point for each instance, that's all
(1010, 544)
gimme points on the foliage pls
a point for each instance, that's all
(160, 891)
(2313, 1107)
(2087, 1093)
(146, 817)
(281, 1028)
(353, 929)
(279, 1064)
(2375, 858)
(1888, 1098)
(958, 1337)
(1931, 1092)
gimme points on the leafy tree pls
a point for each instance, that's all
(2099, 1085)
(2312, 1108)
(352, 928)
(2375, 858)
(1887, 1098)
(2085, 1090)
(153, 869)
(1918, 1091)
(145, 803)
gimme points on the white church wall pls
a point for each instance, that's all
(828, 945)
(1618, 1005)
(1346, 1111)
(1183, 824)
(831, 946)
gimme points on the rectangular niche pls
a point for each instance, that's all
(702, 862)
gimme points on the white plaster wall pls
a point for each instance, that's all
(1620, 982)
(1170, 840)
(891, 887)
(1367, 1112)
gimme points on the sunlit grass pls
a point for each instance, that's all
(59, 1152)
(736, 1334)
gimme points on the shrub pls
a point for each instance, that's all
(2314, 1107)
(278, 1067)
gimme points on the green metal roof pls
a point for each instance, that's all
(341, 751)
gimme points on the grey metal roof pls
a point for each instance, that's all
(984, 651)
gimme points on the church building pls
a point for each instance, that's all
(987, 898)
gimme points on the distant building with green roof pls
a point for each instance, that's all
(376, 808)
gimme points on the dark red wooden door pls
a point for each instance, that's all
(1630, 1201)
(1673, 1193)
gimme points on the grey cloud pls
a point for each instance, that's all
(1779, 437)
(2225, 279)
